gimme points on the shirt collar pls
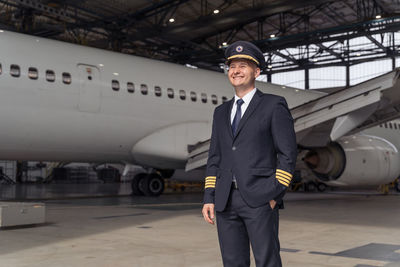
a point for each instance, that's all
(247, 98)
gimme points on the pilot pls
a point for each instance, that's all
(250, 164)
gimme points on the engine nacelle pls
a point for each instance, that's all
(355, 161)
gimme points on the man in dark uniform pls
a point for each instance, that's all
(250, 164)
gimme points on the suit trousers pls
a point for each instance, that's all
(240, 225)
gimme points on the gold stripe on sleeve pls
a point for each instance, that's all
(284, 172)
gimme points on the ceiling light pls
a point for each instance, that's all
(272, 36)
(171, 20)
(269, 66)
(378, 16)
(224, 43)
(315, 59)
(358, 54)
(216, 11)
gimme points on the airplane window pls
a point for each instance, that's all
(1, 69)
(33, 73)
(115, 85)
(66, 77)
(395, 125)
(390, 125)
(193, 96)
(50, 76)
(203, 97)
(157, 90)
(15, 71)
(224, 99)
(130, 87)
(170, 92)
(182, 94)
(143, 89)
(214, 99)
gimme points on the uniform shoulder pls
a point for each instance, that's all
(273, 98)
(222, 106)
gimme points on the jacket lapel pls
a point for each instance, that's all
(228, 117)
(250, 109)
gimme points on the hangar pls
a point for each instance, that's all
(308, 46)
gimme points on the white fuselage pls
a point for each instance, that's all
(89, 121)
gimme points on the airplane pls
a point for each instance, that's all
(69, 103)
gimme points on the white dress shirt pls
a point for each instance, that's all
(247, 98)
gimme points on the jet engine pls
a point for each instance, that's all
(355, 161)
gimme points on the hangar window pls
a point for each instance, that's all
(203, 97)
(182, 94)
(50, 76)
(193, 96)
(214, 99)
(224, 99)
(157, 90)
(115, 85)
(15, 71)
(66, 77)
(33, 73)
(130, 87)
(170, 92)
(144, 89)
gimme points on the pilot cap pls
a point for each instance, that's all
(246, 50)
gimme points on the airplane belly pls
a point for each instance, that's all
(168, 147)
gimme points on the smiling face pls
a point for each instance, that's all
(242, 75)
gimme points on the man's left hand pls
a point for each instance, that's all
(272, 203)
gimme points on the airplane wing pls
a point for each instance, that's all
(334, 115)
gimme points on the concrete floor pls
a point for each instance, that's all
(330, 229)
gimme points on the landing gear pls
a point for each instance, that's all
(310, 187)
(147, 184)
(397, 185)
(321, 187)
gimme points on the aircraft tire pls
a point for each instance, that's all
(153, 185)
(321, 187)
(137, 184)
(397, 185)
(310, 187)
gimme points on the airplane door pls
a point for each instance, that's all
(89, 89)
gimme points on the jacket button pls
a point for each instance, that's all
(233, 148)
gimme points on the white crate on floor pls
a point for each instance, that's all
(21, 213)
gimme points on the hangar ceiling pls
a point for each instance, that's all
(292, 34)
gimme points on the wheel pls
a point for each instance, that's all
(310, 187)
(397, 185)
(321, 187)
(137, 184)
(153, 185)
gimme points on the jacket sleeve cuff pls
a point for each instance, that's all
(283, 177)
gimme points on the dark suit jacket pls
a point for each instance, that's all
(261, 156)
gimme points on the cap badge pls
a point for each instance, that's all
(239, 48)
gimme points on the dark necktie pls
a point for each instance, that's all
(238, 116)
